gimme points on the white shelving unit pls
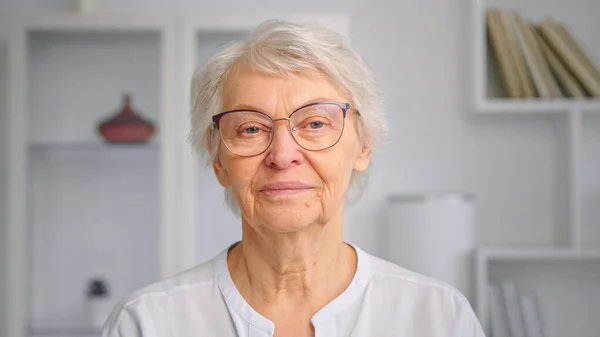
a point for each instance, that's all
(565, 276)
(77, 207)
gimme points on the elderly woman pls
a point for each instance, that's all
(288, 119)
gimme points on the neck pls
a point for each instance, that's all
(308, 268)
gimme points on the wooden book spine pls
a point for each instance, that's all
(569, 58)
(567, 81)
(577, 48)
(512, 47)
(530, 66)
(499, 43)
(521, 54)
(538, 58)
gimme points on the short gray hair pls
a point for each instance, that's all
(284, 48)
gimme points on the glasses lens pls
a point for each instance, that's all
(318, 126)
(246, 133)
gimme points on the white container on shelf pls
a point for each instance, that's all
(432, 234)
(98, 310)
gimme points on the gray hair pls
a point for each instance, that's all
(284, 48)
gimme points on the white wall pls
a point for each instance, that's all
(3, 120)
(419, 51)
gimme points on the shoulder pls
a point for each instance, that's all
(152, 302)
(403, 292)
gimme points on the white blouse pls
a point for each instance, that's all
(383, 299)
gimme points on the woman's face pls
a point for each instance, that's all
(288, 188)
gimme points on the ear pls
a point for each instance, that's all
(220, 172)
(362, 160)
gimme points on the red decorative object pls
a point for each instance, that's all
(126, 126)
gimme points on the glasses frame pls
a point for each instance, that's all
(344, 106)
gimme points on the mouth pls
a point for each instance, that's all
(285, 188)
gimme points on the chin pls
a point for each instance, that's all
(286, 217)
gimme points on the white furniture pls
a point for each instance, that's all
(566, 274)
(78, 207)
(415, 234)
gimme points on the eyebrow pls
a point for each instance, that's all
(243, 106)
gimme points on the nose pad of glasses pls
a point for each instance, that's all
(292, 129)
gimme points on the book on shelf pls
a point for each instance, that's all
(539, 60)
(513, 313)
(526, 53)
(502, 46)
(564, 78)
(497, 309)
(577, 49)
(531, 315)
(513, 309)
(569, 57)
(520, 56)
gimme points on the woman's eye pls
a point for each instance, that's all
(316, 125)
(252, 130)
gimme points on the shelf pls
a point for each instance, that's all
(537, 254)
(76, 79)
(63, 331)
(94, 22)
(537, 106)
(559, 278)
(91, 146)
(86, 210)
(488, 91)
(567, 291)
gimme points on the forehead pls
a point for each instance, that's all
(248, 88)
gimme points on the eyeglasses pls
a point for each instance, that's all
(315, 127)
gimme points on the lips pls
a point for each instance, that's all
(285, 188)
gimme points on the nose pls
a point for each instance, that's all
(284, 152)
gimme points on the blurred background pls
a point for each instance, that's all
(490, 179)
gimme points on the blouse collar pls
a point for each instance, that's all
(235, 301)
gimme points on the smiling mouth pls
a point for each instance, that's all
(284, 192)
(285, 188)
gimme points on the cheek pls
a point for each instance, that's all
(242, 171)
(343, 163)
(335, 168)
